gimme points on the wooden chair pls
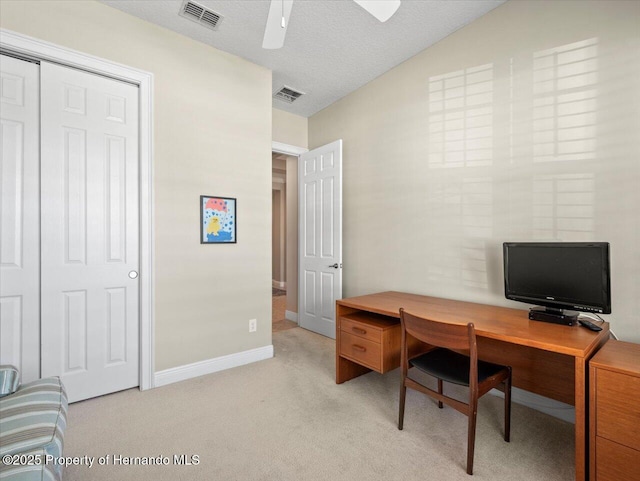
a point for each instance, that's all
(454, 359)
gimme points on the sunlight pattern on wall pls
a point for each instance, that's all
(564, 105)
(556, 154)
(461, 118)
(563, 207)
(463, 210)
(565, 85)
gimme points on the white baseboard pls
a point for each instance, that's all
(182, 373)
(278, 284)
(292, 316)
(554, 408)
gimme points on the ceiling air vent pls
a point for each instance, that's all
(287, 94)
(196, 12)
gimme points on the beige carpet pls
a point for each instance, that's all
(285, 419)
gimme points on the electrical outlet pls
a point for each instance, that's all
(253, 325)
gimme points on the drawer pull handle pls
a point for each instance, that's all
(359, 348)
(359, 330)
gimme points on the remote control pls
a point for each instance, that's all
(589, 325)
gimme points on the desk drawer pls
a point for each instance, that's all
(618, 410)
(615, 462)
(360, 329)
(360, 350)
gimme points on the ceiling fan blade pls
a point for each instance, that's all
(383, 10)
(274, 31)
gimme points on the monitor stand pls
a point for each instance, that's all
(555, 316)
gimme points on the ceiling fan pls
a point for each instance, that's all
(280, 10)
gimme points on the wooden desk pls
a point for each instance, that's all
(547, 359)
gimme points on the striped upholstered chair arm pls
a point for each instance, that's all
(43, 472)
(33, 420)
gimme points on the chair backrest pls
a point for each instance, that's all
(458, 337)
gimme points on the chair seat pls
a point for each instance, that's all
(453, 367)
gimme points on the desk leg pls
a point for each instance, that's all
(346, 370)
(581, 418)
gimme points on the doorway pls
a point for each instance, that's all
(315, 184)
(284, 250)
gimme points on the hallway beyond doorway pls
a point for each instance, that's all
(279, 305)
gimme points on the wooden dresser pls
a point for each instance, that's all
(614, 396)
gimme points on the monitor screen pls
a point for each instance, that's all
(560, 275)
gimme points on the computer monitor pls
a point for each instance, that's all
(560, 276)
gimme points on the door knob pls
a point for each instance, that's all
(133, 274)
(335, 266)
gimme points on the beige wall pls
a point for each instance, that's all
(279, 221)
(276, 273)
(521, 126)
(289, 128)
(292, 233)
(278, 242)
(205, 142)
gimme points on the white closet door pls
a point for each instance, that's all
(19, 218)
(90, 244)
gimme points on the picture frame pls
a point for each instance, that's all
(218, 220)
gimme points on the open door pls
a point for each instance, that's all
(320, 239)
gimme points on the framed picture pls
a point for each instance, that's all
(217, 220)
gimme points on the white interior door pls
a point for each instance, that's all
(320, 244)
(19, 217)
(90, 247)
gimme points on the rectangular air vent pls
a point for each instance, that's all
(287, 94)
(204, 16)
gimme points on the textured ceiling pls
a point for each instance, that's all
(332, 47)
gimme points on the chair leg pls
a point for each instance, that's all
(440, 405)
(471, 440)
(507, 407)
(403, 395)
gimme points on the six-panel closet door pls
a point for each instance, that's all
(69, 227)
(19, 217)
(89, 231)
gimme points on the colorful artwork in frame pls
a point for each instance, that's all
(217, 220)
